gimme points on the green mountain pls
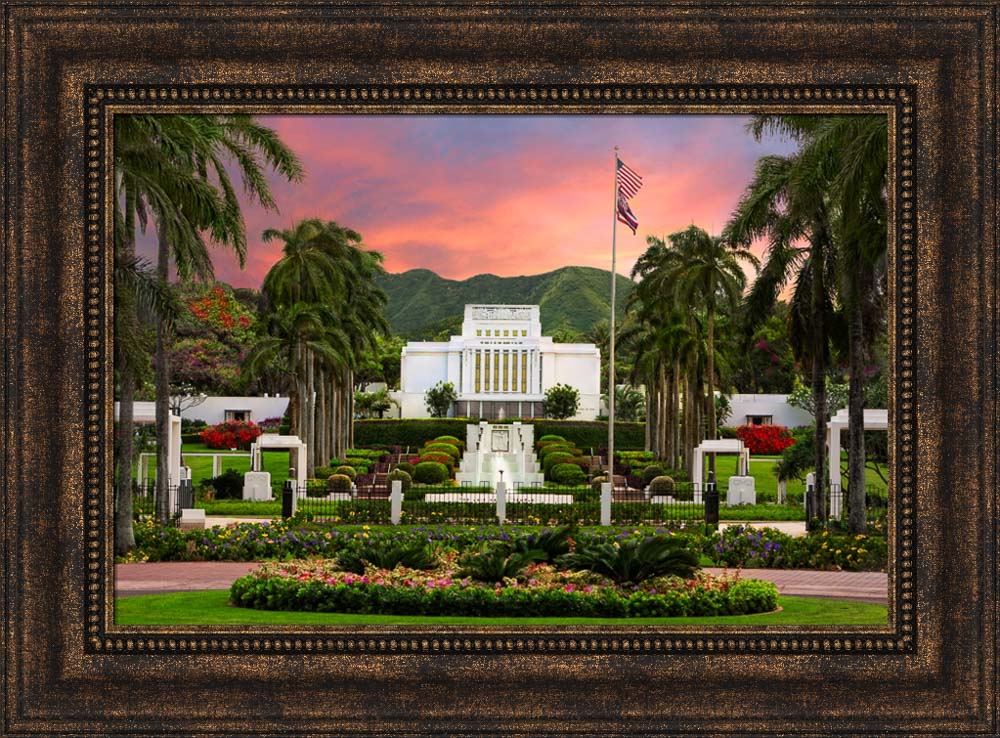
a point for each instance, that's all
(573, 298)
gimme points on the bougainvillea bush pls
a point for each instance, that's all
(768, 440)
(231, 434)
(540, 590)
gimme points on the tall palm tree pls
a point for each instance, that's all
(846, 157)
(326, 263)
(788, 202)
(205, 146)
(708, 273)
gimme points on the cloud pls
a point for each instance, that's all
(506, 195)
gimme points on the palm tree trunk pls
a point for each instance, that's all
(321, 419)
(310, 406)
(674, 420)
(124, 535)
(162, 379)
(856, 422)
(350, 408)
(818, 298)
(651, 421)
(710, 400)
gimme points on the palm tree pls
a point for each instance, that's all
(788, 202)
(839, 176)
(325, 263)
(203, 146)
(708, 273)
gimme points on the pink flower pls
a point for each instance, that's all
(570, 587)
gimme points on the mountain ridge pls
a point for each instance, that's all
(575, 298)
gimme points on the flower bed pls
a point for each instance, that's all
(541, 591)
(737, 546)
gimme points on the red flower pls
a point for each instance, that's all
(765, 439)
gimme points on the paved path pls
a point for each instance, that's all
(159, 578)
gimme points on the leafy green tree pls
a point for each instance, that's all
(561, 401)
(439, 399)
(836, 393)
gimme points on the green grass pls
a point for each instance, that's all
(766, 481)
(211, 607)
(241, 508)
(275, 462)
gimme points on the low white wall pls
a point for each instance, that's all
(213, 409)
(774, 405)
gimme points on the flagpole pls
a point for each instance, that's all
(611, 353)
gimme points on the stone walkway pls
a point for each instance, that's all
(159, 578)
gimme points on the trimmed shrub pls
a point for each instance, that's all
(402, 476)
(228, 485)
(452, 440)
(445, 460)
(414, 432)
(650, 473)
(347, 471)
(553, 459)
(551, 437)
(727, 431)
(661, 485)
(430, 472)
(405, 466)
(323, 472)
(569, 474)
(442, 448)
(191, 437)
(338, 483)
(596, 482)
(561, 448)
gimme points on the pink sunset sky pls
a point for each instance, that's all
(506, 195)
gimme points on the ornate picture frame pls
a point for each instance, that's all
(69, 69)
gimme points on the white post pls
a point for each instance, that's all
(606, 503)
(216, 465)
(782, 490)
(502, 502)
(833, 430)
(810, 482)
(697, 472)
(396, 501)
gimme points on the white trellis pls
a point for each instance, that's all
(720, 446)
(144, 413)
(272, 441)
(877, 420)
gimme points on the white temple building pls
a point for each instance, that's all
(500, 366)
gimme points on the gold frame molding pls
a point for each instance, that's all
(68, 69)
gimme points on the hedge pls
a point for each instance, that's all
(358, 595)
(415, 432)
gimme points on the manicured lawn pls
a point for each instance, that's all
(766, 481)
(212, 607)
(275, 462)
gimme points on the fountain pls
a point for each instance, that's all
(495, 452)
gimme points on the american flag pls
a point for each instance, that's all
(629, 183)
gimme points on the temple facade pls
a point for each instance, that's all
(500, 366)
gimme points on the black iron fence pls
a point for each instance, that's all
(145, 503)
(520, 504)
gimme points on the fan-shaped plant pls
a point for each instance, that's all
(634, 560)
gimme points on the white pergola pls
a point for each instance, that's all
(877, 420)
(272, 441)
(720, 446)
(144, 413)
